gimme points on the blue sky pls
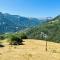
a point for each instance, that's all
(31, 8)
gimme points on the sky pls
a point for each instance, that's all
(31, 8)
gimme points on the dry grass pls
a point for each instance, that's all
(31, 50)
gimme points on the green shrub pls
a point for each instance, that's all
(21, 35)
(2, 37)
(14, 40)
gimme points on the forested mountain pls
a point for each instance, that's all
(13, 23)
(50, 28)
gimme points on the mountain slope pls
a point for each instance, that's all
(51, 29)
(13, 23)
(7, 25)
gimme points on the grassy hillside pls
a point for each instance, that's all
(31, 50)
(51, 28)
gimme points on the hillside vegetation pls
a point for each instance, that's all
(51, 28)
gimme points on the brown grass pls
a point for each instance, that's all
(31, 50)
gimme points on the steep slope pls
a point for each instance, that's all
(7, 25)
(13, 23)
(51, 29)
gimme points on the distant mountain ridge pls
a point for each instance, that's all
(13, 23)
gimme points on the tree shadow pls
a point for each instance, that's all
(1, 46)
(22, 44)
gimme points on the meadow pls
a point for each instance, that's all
(30, 50)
